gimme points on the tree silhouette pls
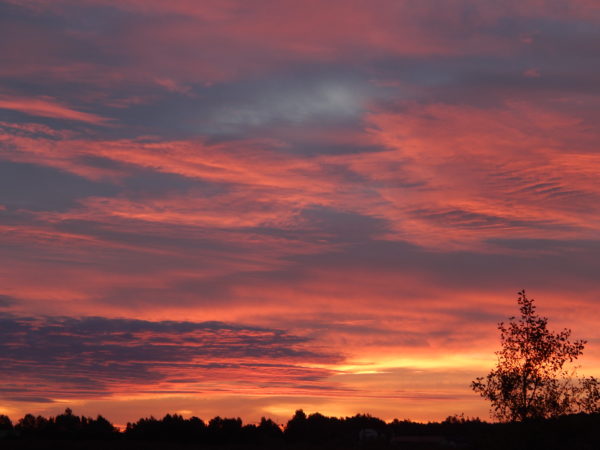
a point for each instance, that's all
(532, 378)
(5, 423)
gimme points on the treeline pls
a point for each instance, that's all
(63, 426)
(315, 430)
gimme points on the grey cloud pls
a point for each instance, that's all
(293, 103)
(501, 271)
(328, 225)
(38, 188)
(7, 300)
(247, 108)
(547, 245)
(564, 51)
(147, 182)
(29, 399)
(458, 218)
(312, 147)
(90, 355)
(341, 226)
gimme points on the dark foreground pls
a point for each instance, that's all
(70, 432)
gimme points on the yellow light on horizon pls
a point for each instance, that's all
(385, 364)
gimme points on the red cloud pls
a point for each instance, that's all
(48, 107)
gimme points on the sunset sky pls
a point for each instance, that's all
(242, 208)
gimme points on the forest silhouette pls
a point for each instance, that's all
(69, 431)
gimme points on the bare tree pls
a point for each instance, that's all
(532, 378)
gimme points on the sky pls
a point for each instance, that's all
(236, 208)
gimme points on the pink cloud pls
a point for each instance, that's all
(48, 107)
(532, 73)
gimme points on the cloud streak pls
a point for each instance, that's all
(95, 356)
(48, 107)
